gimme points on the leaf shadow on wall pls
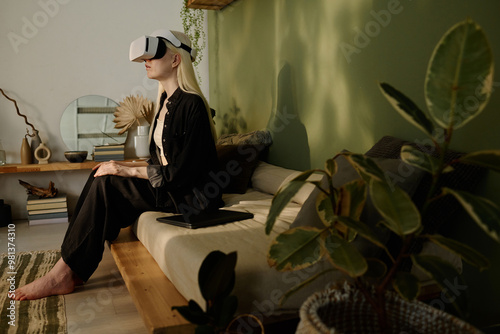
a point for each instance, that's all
(290, 146)
(233, 121)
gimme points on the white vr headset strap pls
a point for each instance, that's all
(169, 36)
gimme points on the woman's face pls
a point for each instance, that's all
(161, 69)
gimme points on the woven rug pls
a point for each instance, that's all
(46, 315)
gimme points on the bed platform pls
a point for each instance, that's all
(152, 292)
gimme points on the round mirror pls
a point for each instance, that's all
(88, 122)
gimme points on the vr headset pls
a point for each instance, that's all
(151, 47)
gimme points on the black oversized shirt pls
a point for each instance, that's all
(186, 183)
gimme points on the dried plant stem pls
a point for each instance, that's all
(23, 116)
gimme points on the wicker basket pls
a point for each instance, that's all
(346, 310)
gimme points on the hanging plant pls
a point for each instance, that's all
(193, 22)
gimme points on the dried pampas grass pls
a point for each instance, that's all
(131, 110)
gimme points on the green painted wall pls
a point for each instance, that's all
(308, 71)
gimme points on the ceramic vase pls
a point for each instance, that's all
(26, 157)
(141, 142)
(43, 154)
(35, 142)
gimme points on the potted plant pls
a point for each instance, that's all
(460, 72)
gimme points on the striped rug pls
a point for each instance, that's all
(47, 315)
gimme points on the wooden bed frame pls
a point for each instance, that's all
(152, 292)
(154, 295)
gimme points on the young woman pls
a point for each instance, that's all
(183, 161)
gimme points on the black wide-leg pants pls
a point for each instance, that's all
(106, 204)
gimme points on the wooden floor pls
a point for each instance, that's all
(103, 304)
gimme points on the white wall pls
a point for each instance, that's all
(54, 51)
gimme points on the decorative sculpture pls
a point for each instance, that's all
(49, 192)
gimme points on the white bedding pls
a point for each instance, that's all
(179, 251)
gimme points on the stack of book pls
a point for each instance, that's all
(109, 152)
(47, 210)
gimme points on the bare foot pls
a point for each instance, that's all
(60, 280)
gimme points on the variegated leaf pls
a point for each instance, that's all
(407, 108)
(352, 199)
(362, 229)
(483, 211)
(295, 249)
(345, 256)
(366, 167)
(304, 283)
(487, 158)
(396, 207)
(331, 167)
(446, 277)
(468, 254)
(325, 208)
(376, 268)
(284, 196)
(416, 158)
(459, 78)
(407, 285)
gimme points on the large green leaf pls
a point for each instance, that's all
(396, 207)
(460, 75)
(407, 108)
(295, 249)
(483, 211)
(376, 268)
(446, 277)
(216, 276)
(193, 313)
(414, 157)
(302, 284)
(487, 158)
(331, 166)
(363, 229)
(325, 208)
(345, 256)
(366, 167)
(284, 196)
(407, 285)
(467, 253)
(352, 199)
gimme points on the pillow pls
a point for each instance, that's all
(237, 164)
(270, 178)
(258, 137)
(405, 176)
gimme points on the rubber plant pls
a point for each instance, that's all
(216, 279)
(457, 88)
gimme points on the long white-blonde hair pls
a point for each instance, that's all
(186, 77)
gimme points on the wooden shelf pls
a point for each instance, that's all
(208, 4)
(50, 167)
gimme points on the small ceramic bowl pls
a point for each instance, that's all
(76, 156)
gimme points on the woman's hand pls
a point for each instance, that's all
(120, 169)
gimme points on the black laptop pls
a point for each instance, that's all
(205, 219)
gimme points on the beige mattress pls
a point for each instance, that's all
(179, 251)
